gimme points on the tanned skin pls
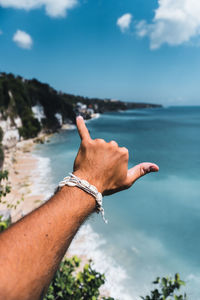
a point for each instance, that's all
(32, 249)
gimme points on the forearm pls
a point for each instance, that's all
(31, 250)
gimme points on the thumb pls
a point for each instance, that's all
(140, 170)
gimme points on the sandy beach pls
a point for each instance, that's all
(22, 166)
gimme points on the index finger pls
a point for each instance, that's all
(82, 129)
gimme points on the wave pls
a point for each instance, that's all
(89, 244)
(42, 179)
(94, 117)
(68, 126)
(192, 286)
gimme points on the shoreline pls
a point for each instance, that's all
(22, 165)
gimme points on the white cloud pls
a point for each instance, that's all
(54, 8)
(23, 39)
(175, 22)
(124, 22)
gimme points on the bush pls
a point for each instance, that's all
(30, 129)
(1, 156)
(4, 224)
(1, 134)
(4, 189)
(69, 284)
(167, 287)
(1, 148)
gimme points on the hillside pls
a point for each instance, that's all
(28, 107)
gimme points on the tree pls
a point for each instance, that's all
(167, 288)
(4, 190)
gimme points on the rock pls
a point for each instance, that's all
(10, 131)
(38, 112)
(10, 138)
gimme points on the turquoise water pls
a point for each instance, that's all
(154, 227)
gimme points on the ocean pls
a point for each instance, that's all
(154, 227)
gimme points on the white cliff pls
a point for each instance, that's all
(10, 131)
(38, 112)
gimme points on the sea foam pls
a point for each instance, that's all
(42, 179)
(89, 244)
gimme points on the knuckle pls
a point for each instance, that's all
(89, 142)
(113, 143)
(124, 153)
(124, 150)
(99, 141)
(84, 144)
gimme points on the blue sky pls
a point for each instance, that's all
(133, 50)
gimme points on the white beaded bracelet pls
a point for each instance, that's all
(73, 180)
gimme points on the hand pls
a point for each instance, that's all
(105, 165)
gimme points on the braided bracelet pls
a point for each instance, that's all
(73, 180)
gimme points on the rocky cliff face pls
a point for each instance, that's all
(28, 106)
(10, 131)
(10, 127)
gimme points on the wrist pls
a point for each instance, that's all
(90, 179)
(78, 179)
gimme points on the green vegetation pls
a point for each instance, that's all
(4, 224)
(1, 148)
(30, 129)
(4, 190)
(70, 284)
(167, 288)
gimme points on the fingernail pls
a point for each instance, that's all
(79, 117)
